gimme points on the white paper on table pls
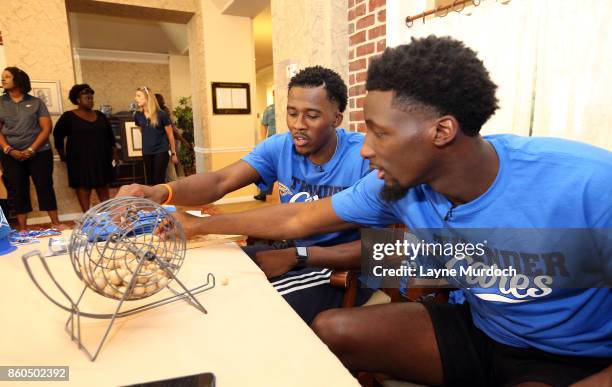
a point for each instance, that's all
(197, 213)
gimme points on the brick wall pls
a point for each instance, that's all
(367, 38)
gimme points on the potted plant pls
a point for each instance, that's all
(184, 122)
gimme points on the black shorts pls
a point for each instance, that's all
(308, 290)
(17, 175)
(470, 358)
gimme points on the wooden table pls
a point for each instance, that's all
(250, 336)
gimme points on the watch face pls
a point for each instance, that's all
(302, 251)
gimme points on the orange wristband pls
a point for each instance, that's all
(170, 192)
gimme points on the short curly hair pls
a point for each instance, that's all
(316, 76)
(21, 79)
(440, 73)
(77, 90)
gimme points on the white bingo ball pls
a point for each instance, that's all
(109, 290)
(127, 279)
(151, 288)
(114, 278)
(163, 281)
(138, 291)
(100, 282)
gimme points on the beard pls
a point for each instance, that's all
(393, 192)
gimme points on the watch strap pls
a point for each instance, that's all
(301, 253)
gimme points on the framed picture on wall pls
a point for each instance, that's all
(231, 98)
(131, 141)
(49, 92)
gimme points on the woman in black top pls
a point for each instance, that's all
(90, 146)
(157, 136)
(25, 126)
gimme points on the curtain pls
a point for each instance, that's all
(503, 35)
(550, 59)
(574, 76)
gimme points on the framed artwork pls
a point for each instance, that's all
(49, 93)
(131, 141)
(231, 98)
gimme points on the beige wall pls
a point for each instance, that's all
(2, 58)
(37, 38)
(229, 57)
(116, 82)
(180, 80)
(307, 33)
(199, 98)
(265, 79)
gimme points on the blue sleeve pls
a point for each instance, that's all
(362, 204)
(602, 232)
(264, 158)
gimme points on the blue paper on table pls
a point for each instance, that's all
(99, 228)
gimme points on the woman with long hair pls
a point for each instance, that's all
(25, 126)
(90, 146)
(172, 171)
(157, 136)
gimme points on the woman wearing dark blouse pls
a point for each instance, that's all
(90, 146)
(157, 136)
(25, 126)
(172, 169)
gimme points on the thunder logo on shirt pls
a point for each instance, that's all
(301, 191)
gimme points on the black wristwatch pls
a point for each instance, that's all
(301, 253)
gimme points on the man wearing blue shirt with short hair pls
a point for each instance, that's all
(425, 106)
(314, 160)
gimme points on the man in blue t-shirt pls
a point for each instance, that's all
(314, 160)
(425, 106)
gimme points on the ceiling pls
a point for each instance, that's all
(96, 31)
(124, 10)
(127, 34)
(248, 8)
(262, 35)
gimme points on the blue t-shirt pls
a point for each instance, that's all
(154, 138)
(542, 184)
(299, 180)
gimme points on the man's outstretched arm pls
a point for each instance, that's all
(198, 189)
(283, 221)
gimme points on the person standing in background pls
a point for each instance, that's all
(267, 130)
(157, 136)
(172, 169)
(90, 146)
(25, 126)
